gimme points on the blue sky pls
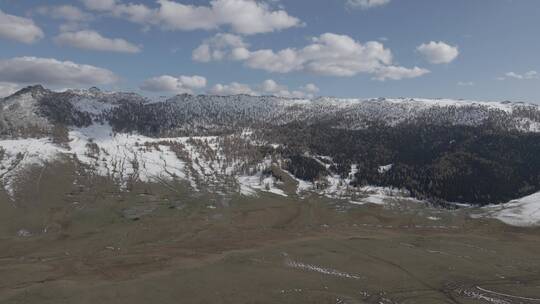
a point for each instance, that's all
(477, 49)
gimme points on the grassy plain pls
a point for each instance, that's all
(69, 237)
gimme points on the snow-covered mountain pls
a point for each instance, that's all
(359, 150)
(210, 114)
(40, 108)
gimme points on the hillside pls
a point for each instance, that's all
(440, 151)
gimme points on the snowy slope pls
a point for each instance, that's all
(203, 162)
(21, 110)
(20, 154)
(523, 212)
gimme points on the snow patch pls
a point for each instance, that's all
(249, 185)
(124, 157)
(19, 154)
(322, 270)
(384, 169)
(523, 212)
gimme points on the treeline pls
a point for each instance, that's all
(478, 165)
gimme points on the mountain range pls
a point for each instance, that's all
(442, 151)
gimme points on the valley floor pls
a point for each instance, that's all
(71, 240)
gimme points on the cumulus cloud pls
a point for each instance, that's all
(234, 88)
(92, 40)
(242, 16)
(310, 88)
(64, 12)
(19, 29)
(270, 87)
(74, 18)
(49, 71)
(221, 46)
(526, 76)
(7, 88)
(398, 72)
(267, 87)
(366, 4)
(329, 54)
(438, 52)
(171, 84)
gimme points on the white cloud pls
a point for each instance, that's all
(283, 61)
(329, 54)
(526, 76)
(252, 17)
(177, 16)
(75, 19)
(233, 88)
(438, 52)
(271, 86)
(397, 73)
(221, 46)
(242, 16)
(465, 83)
(513, 75)
(267, 87)
(19, 29)
(92, 40)
(7, 88)
(310, 88)
(49, 71)
(366, 4)
(64, 12)
(171, 84)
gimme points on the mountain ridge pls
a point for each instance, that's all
(207, 114)
(344, 100)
